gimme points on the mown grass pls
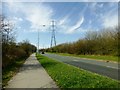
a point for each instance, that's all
(11, 70)
(68, 76)
(96, 57)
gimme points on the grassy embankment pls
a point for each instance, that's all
(68, 76)
(96, 57)
(11, 70)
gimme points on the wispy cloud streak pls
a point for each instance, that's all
(76, 26)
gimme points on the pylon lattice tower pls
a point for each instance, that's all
(53, 38)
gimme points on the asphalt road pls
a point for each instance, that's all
(108, 69)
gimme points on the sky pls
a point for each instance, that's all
(72, 19)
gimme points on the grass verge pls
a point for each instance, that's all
(68, 76)
(11, 70)
(96, 57)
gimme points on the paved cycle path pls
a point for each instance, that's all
(32, 75)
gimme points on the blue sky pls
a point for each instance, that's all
(72, 19)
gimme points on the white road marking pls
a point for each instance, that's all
(76, 60)
(112, 67)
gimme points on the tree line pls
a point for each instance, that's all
(12, 51)
(102, 42)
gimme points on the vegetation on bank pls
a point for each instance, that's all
(13, 54)
(11, 70)
(68, 76)
(11, 50)
(102, 42)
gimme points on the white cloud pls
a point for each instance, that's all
(19, 27)
(107, 19)
(95, 7)
(63, 20)
(40, 15)
(20, 19)
(14, 7)
(63, 24)
(17, 19)
(36, 14)
(110, 19)
(76, 26)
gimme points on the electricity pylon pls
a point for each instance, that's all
(53, 39)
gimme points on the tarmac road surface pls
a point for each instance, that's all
(108, 69)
